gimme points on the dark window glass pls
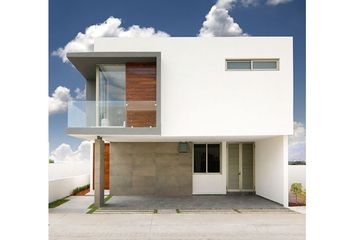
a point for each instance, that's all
(238, 65)
(264, 64)
(199, 158)
(213, 158)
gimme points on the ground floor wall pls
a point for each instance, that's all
(158, 168)
(150, 169)
(212, 183)
(271, 169)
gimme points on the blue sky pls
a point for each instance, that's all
(177, 18)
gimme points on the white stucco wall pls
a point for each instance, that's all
(271, 169)
(68, 169)
(214, 183)
(63, 178)
(200, 98)
(297, 173)
(63, 187)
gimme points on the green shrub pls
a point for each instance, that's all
(79, 189)
(296, 188)
(51, 160)
(303, 196)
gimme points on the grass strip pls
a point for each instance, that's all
(107, 198)
(57, 203)
(92, 208)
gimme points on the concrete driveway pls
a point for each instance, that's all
(229, 201)
(69, 221)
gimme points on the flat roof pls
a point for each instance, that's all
(85, 62)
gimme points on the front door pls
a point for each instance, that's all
(240, 167)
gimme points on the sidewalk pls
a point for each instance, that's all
(69, 221)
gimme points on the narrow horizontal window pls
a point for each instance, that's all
(252, 64)
(265, 64)
(238, 65)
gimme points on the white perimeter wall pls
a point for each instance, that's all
(65, 177)
(200, 98)
(63, 187)
(212, 183)
(64, 170)
(297, 173)
(271, 169)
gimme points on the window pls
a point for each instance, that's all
(265, 64)
(252, 64)
(199, 158)
(111, 90)
(238, 65)
(207, 158)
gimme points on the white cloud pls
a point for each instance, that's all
(299, 135)
(80, 95)
(58, 102)
(83, 42)
(218, 22)
(225, 3)
(277, 2)
(247, 3)
(297, 143)
(64, 153)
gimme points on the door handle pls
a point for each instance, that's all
(239, 174)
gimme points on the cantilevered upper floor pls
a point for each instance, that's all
(184, 88)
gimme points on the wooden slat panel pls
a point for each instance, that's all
(141, 106)
(141, 86)
(140, 81)
(106, 166)
(141, 118)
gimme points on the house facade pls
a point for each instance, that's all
(183, 116)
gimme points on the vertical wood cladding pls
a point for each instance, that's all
(106, 166)
(141, 86)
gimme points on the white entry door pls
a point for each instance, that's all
(240, 167)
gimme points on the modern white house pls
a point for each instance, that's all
(190, 115)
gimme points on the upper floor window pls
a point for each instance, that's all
(252, 64)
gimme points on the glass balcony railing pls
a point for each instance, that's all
(121, 114)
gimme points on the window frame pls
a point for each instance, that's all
(206, 163)
(276, 60)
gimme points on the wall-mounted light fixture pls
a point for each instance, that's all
(183, 147)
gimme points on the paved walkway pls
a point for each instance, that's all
(69, 221)
(301, 209)
(76, 204)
